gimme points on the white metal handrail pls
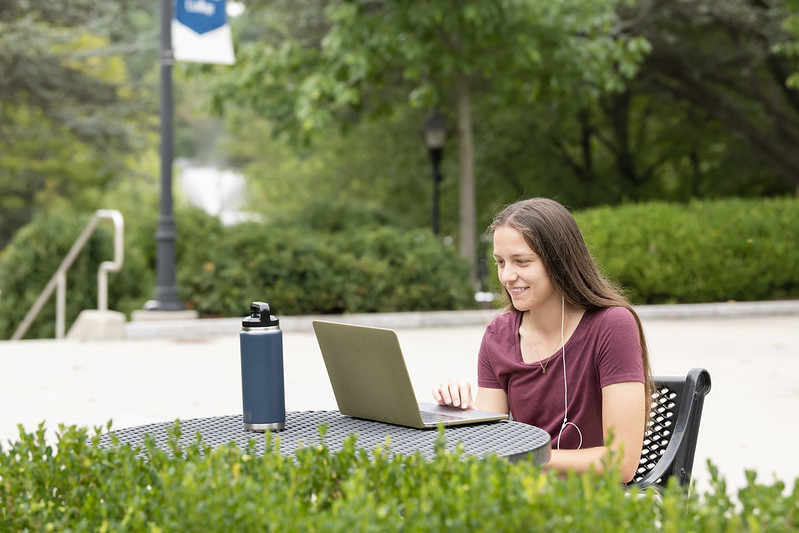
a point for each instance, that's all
(59, 279)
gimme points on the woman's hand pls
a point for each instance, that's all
(455, 393)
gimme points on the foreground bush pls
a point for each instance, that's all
(79, 486)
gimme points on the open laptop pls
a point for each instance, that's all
(370, 380)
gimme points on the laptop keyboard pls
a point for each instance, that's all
(435, 418)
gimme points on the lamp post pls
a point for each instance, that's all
(166, 294)
(434, 134)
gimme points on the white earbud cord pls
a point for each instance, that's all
(565, 386)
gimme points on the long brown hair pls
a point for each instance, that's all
(552, 233)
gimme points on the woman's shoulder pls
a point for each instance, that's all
(611, 316)
(505, 322)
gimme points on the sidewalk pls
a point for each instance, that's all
(751, 351)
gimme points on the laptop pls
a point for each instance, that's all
(370, 379)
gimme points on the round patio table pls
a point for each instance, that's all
(509, 439)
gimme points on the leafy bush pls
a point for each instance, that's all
(327, 215)
(34, 256)
(339, 258)
(301, 267)
(302, 272)
(703, 251)
(77, 485)
(37, 250)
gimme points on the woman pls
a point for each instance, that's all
(569, 355)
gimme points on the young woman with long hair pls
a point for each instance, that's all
(569, 354)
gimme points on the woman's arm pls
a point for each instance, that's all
(623, 419)
(492, 400)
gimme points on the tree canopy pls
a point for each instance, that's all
(362, 60)
(721, 59)
(70, 115)
(590, 102)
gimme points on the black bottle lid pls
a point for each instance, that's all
(260, 316)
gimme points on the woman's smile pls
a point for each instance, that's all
(516, 291)
(521, 270)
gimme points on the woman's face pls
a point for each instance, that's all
(521, 270)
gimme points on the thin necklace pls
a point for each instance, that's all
(535, 345)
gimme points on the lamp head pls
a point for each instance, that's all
(434, 131)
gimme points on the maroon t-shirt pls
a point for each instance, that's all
(603, 350)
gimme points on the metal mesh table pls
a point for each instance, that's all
(513, 440)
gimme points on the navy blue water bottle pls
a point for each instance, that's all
(262, 385)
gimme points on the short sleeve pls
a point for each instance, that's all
(486, 377)
(619, 357)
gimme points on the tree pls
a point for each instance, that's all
(347, 60)
(589, 129)
(720, 57)
(790, 49)
(720, 124)
(67, 111)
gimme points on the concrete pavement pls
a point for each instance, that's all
(751, 351)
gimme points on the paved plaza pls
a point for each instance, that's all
(192, 370)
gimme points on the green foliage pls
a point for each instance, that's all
(79, 485)
(337, 257)
(707, 55)
(325, 62)
(703, 251)
(590, 102)
(325, 215)
(379, 166)
(38, 249)
(335, 64)
(72, 119)
(330, 257)
(300, 271)
(790, 48)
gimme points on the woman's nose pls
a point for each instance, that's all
(506, 274)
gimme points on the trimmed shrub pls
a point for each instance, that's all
(303, 272)
(298, 269)
(338, 258)
(78, 485)
(703, 251)
(34, 255)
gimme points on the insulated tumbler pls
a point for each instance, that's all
(262, 384)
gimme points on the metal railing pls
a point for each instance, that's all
(59, 279)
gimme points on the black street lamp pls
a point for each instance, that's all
(434, 134)
(166, 294)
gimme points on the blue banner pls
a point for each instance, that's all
(201, 33)
(201, 16)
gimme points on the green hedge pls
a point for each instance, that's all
(334, 257)
(703, 251)
(330, 257)
(34, 256)
(76, 485)
(337, 261)
(300, 272)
